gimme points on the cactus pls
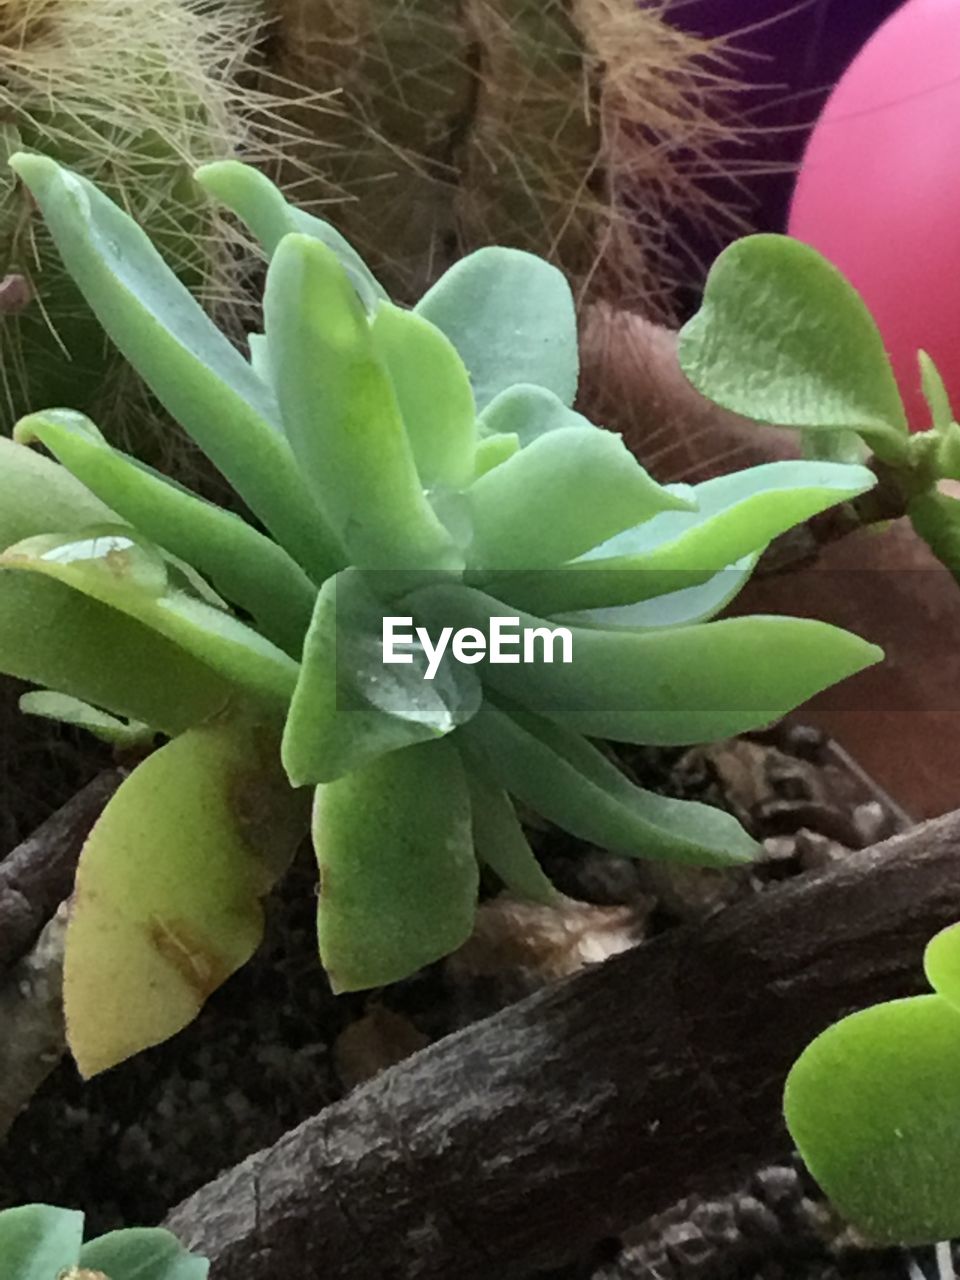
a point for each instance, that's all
(572, 128)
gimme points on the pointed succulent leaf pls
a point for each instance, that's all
(261, 206)
(935, 393)
(783, 338)
(560, 775)
(142, 1253)
(560, 496)
(398, 875)
(511, 316)
(941, 963)
(502, 846)
(66, 710)
(676, 609)
(874, 1106)
(529, 412)
(341, 415)
(38, 1241)
(112, 565)
(199, 377)
(697, 683)
(54, 636)
(433, 393)
(38, 496)
(494, 449)
(935, 517)
(349, 706)
(247, 568)
(167, 898)
(735, 516)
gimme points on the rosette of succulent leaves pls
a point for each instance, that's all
(422, 463)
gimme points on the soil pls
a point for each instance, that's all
(274, 1046)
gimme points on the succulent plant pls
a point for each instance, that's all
(40, 1242)
(420, 471)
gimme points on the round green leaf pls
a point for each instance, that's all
(38, 1241)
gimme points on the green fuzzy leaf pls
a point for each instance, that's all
(736, 515)
(110, 564)
(197, 375)
(246, 567)
(342, 417)
(143, 1253)
(941, 963)
(935, 517)
(167, 898)
(66, 710)
(37, 1241)
(559, 497)
(54, 636)
(501, 845)
(433, 394)
(677, 609)
(530, 412)
(512, 318)
(349, 706)
(935, 393)
(697, 683)
(560, 775)
(492, 450)
(874, 1106)
(261, 206)
(37, 496)
(783, 338)
(398, 876)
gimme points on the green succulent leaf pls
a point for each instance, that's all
(676, 609)
(941, 963)
(560, 496)
(261, 206)
(159, 921)
(494, 449)
(142, 1253)
(341, 414)
(112, 565)
(349, 706)
(512, 318)
(529, 412)
(433, 393)
(735, 516)
(935, 517)
(696, 683)
(874, 1106)
(37, 496)
(246, 567)
(201, 379)
(49, 705)
(560, 775)
(783, 338)
(935, 393)
(54, 636)
(501, 845)
(398, 875)
(37, 1241)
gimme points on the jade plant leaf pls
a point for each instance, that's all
(246, 567)
(783, 338)
(110, 564)
(874, 1106)
(349, 706)
(60, 707)
(502, 846)
(696, 683)
(53, 636)
(559, 774)
(38, 1241)
(142, 1253)
(433, 394)
(158, 921)
(735, 516)
(512, 318)
(199, 377)
(591, 476)
(341, 414)
(261, 206)
(398, 875)
(37, 496)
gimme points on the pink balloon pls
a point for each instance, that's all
(879, 189)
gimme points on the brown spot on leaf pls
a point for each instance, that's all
(200, 967)
(15, 294)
